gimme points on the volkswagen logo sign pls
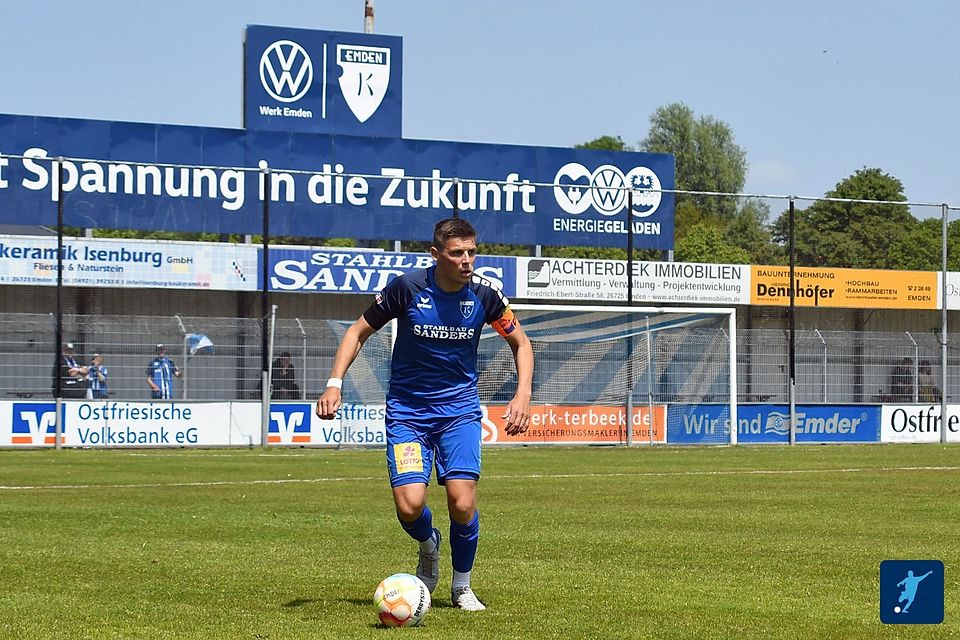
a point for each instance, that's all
(286, 71)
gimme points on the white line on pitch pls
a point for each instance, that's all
(648, 474)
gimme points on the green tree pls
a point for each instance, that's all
(707, 158)
(749, 230)
(851, 234)
(605, 143)
(706, 243)
(920, 249)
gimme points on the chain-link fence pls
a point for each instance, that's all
(843, 366)
(832, 366)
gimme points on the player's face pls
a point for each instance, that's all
(455, 262)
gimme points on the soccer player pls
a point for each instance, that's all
(97, 379)
(433, 408)
(160, 374)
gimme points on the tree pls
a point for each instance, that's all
(707, 158)
(748, 230)
(920, 249)
(705, 243)
(851, 234)
(605, 143)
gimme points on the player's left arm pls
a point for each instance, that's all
(517, 414)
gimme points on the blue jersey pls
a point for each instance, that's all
(161, 371)
(435, 355)
(98, 387)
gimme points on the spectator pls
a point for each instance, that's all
(901, 381)
(284, 379)
(160, 374)
(97, 379)
(928, 389)
(71, 374)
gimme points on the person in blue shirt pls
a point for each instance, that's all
(433, 408)
(160, 374)
(97, 379)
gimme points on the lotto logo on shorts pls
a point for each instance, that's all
(409, 457)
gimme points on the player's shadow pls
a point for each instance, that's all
(299, 602)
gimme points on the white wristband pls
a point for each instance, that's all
(335, 382)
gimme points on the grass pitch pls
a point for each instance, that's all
(738, 542)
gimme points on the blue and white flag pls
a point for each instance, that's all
(199, 343)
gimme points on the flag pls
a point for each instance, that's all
(199, 343)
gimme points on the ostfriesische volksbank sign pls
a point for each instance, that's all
(323, 81)
(324, 186)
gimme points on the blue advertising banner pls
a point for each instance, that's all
(770, 423)
(325, 186)
(323, 81)
(350, 271)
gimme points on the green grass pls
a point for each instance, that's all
(575, 543)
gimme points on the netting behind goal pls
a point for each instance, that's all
(671, 365)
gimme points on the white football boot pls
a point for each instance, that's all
(464, 598)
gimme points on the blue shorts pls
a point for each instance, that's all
(418, 440)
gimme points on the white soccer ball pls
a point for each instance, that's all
(402, 600)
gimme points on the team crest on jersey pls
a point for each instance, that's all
(466, 308)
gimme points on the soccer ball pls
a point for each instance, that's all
(402, 600)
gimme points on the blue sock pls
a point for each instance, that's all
(463, 543)
(420, 529)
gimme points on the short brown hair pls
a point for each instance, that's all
(452, 228)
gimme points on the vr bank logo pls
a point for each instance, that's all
(289, 424)
(605, 189)
(34, 423)
(286, 71)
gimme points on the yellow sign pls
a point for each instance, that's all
(409, 457)
(849, 288)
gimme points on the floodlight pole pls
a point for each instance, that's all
(629, 407)
(943, 327)
(368, 16)
(264, 314)
(58, 337)
(792, 314)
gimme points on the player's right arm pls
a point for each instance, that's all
(347, 352)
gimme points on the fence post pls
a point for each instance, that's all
(916, 368)
(823, 345)
(943, 327)
(792, 355)
(265, 390)
(267, 393)
(303, 360)
(186, 378)
(58, 348)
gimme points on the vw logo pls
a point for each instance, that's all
(608, 189)
(576, 189)
(286, 71)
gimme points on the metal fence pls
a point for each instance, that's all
(832, 366)
(230, 369)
